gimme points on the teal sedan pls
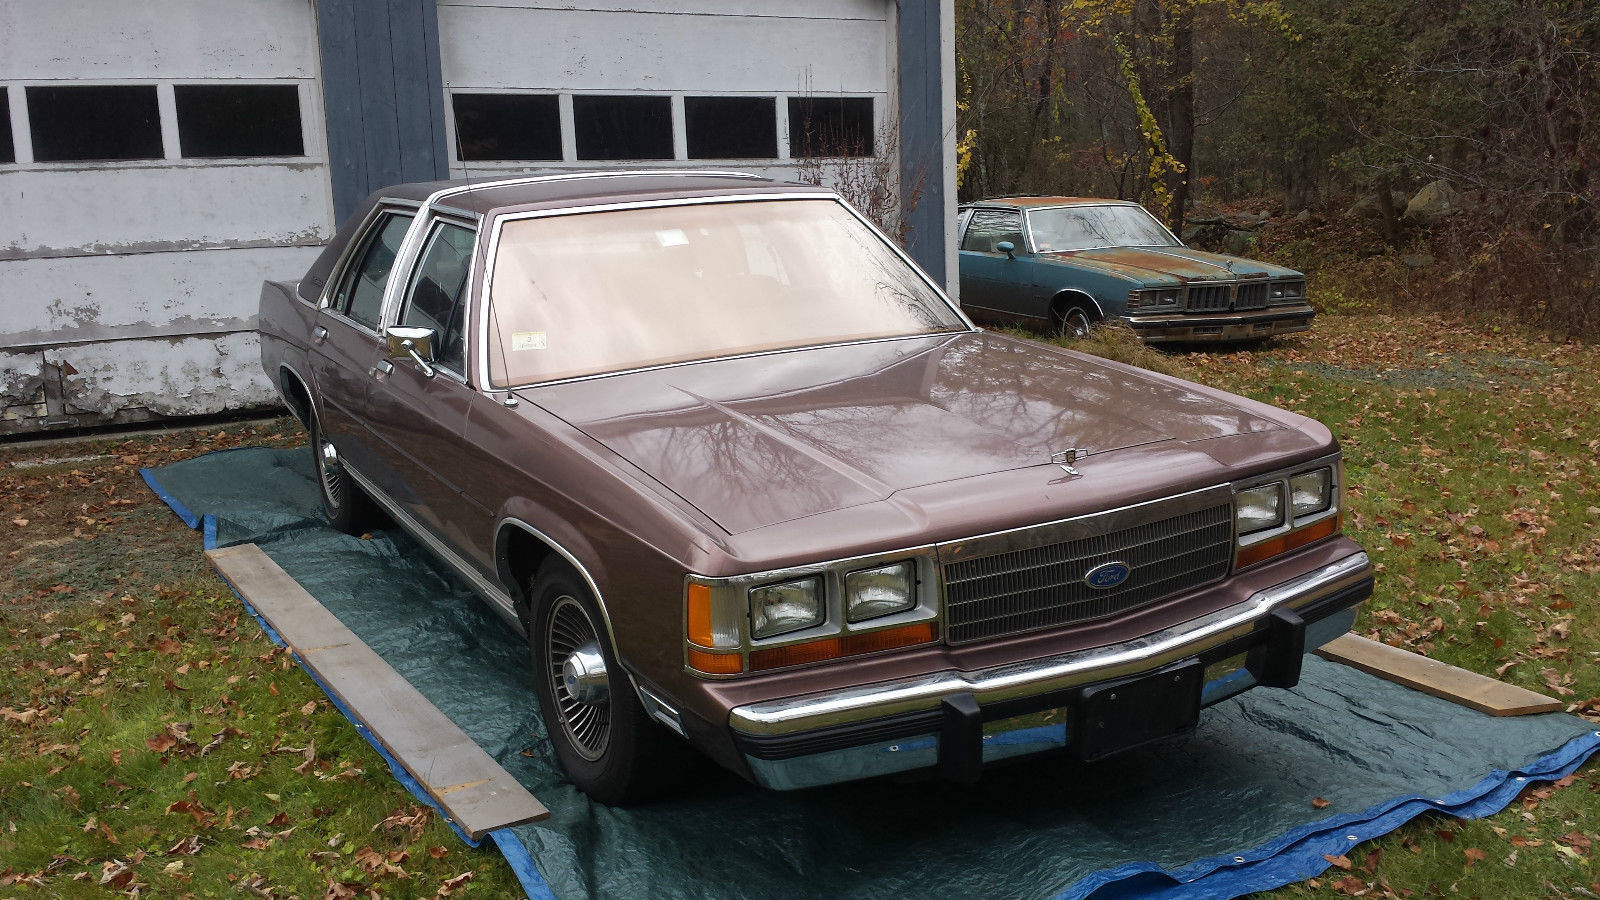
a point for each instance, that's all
(1066, 264)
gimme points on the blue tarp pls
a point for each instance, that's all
(1223, 812)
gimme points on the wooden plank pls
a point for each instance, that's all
(1479, 692)
(465, 781)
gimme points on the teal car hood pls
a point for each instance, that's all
(1168, 265)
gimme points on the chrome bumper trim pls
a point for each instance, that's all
(857, 704)
(1225, 317)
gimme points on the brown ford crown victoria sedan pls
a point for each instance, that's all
(748, 480)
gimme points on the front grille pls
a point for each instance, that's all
(1252, 295)
(1208, 297)
(1042, 587)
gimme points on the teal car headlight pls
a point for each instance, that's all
(1154, 298)
(1288, 291)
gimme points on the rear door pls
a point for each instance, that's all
(344, 340)
(419, 418)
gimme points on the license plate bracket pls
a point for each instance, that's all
(1122, 715)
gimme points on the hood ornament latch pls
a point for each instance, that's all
(1066, 458)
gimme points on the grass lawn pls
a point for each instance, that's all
(153, 741)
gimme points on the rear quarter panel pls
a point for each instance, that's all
(284, 323)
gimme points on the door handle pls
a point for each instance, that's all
(319, 334)
(381, 370)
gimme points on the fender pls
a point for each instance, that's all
(502, 565)
(1077, 294)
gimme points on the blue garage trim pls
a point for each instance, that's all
(922, 138)
(383, 95)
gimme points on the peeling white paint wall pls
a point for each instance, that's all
(676, 48)
(128, 289)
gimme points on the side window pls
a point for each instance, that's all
(438, 295)
(989, 227)
(962, 218)
(360, 293)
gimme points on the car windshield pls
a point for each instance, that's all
(599, 292)
(1069, 228)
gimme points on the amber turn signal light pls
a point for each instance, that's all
(699, 624)
(849, 645)
(1283, 543)
(715, 663)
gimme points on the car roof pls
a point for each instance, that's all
(1019, 201)
(482, 196)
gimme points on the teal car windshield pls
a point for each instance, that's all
(1064, 229)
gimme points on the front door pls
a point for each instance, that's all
(994, 283)
(344, 342)
(419, 417)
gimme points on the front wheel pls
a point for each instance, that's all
(603, 739)
(1073, 324)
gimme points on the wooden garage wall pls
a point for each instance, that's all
(128, 289)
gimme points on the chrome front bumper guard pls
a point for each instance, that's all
(860, 706)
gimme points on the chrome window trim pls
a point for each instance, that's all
(1023, 679)
(336, 274)
(434, 220)
(493, 250)
(347, 259)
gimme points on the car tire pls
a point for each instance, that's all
(1073, 323)
(603, 739)
(346, 505)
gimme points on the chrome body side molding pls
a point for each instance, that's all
(497, 598)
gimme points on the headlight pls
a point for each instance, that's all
(1160, 298)
(1259, 508)
(1285, 291)
(871, 593)
(789, 606)
(1311, 492)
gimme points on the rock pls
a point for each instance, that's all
(1303, 216)
(1435, 202)
(1367, 207)
(1239, 243)
(1417, 260)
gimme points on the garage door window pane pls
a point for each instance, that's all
(731, 127)
(78, 123)
(623, 127)
(227, 120)
(830, 126)
(8, 152)
(507, 126)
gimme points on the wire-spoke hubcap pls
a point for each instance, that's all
(332, 475)
(578, 680)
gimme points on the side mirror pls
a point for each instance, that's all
(1008, 248)
(401, 341)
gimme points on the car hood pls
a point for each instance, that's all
(1169, 264)
(764, 439)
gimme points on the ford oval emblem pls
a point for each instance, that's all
(1106, 576)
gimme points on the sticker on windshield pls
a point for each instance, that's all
(672, 237)
(528, 340)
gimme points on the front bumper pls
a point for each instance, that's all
(956, 721)
(1224, 327)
